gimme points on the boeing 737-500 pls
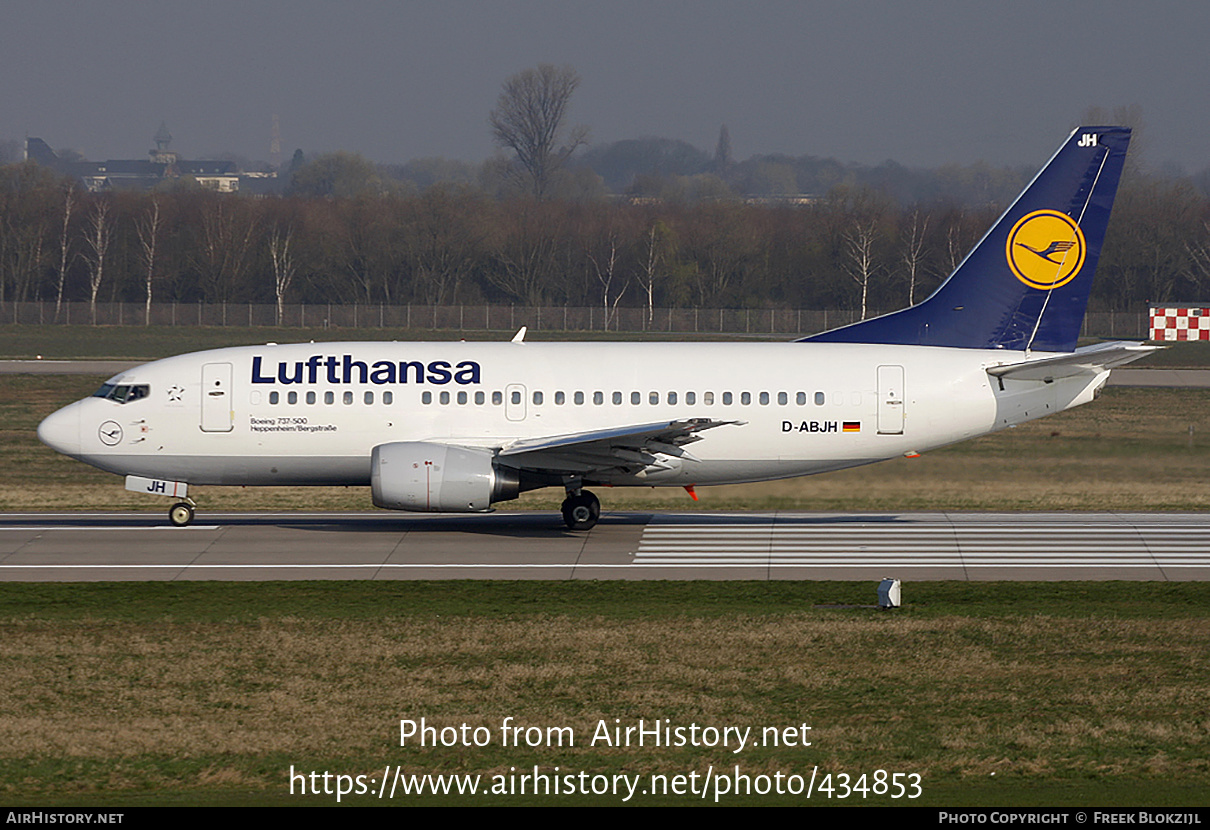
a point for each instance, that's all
(457, 427)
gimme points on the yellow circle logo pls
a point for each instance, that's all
(1046, 249)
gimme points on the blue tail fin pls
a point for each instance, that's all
(1026, 284)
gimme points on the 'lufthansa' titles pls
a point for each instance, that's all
(344, 369)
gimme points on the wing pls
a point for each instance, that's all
(1089, 360)
(640, 445)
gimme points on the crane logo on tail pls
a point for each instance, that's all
(1046, 249)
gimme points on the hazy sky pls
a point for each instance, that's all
(924, 82)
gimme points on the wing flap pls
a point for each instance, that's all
(636, 445)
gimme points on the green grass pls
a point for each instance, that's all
(997, 695)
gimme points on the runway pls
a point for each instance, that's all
(795, 546)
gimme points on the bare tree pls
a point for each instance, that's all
(655, 255)
(860, 266)
(525, 252)
(1198, 269)
(283, 265)
(97, 235)
(913, 251)
(147, 227)
(528, 119)
(955, 243)
(443, 234)
(606, 269)
(225, 253)
(69, 203)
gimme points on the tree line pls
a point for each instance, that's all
(854, 247)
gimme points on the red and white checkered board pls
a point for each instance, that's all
(1180, 323)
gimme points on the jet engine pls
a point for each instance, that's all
(439, 478)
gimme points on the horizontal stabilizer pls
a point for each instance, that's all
(1089, 360)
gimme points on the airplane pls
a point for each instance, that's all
(458, 426)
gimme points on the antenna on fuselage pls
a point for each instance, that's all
(519, 337)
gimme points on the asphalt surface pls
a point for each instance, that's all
(908, 546)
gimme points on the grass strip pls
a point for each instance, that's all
(996, 694)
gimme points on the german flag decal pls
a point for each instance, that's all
(851, 426)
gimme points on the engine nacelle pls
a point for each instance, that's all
(438, 478)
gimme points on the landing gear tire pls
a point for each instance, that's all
(180, 514)
(581, 512)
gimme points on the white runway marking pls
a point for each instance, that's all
(939, 544)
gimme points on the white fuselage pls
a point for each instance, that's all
(310, 414)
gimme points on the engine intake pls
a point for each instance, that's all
(439, 478)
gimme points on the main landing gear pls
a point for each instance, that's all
(581, 510)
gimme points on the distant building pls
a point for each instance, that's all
(161, 165)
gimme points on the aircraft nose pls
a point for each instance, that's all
(61, 430)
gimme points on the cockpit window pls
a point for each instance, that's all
(123, 393)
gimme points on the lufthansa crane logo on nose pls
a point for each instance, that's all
(110, 433)
(1046, 249)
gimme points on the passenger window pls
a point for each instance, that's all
(274, 397)
(560, 399)
(782, 398)
(329, 397)
(479, 398)
(425, 397)
(598, 398)
(671, 397)
(516, 397)
(801, 398)
(461, 398)
(444, 398)
(635, 398)
(497, 398)
(654, 398)
(819, 398)
(745, 398)
(617, 398)
(537, 397)
(291, 397)
(764, 398)
(310, 397)
(368, 397)
(708, 398)
(691, 398)
(348, 398)
(726, 399)
(388, 397)
(579, 398)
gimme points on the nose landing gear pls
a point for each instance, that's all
(181, 514)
